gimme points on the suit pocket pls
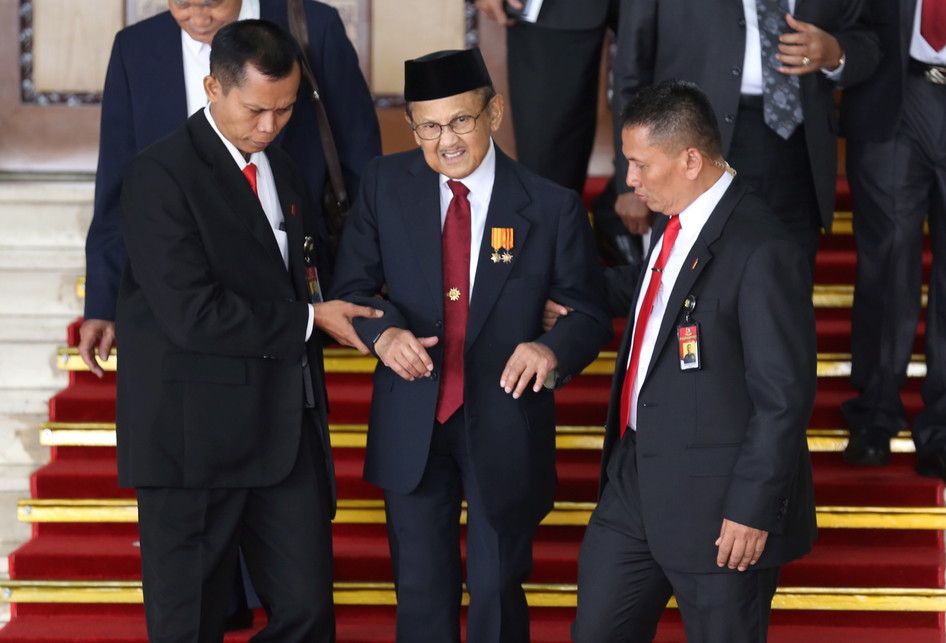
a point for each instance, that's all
(706, 461)
(186, 367)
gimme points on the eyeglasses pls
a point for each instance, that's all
(184, 5)
(462, 124)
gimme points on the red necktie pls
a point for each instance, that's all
(933, 23)
(647, 305)
(456, 299)
(250, 173)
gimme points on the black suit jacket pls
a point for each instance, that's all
(704, 42)
(572, 15)
(144, 100)
(728, 440)
(393, 238)
(871, 111)
(211, 324)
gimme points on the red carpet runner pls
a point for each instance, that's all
(884, 558)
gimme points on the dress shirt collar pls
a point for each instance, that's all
(234, 151)
(694, 216)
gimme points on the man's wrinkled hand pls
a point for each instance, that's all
(739, 546)
(96, 334)
(335, 318)
(634, 213)
(529, 360)
(405, 354)
(494, 9)
(552, 312)
(807, 49)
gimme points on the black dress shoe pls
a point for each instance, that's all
(868, 448)
(932, 463)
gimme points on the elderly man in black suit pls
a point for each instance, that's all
(895, 124)
(706, 485)
(221, 421)
(769, 68)
(469, 245)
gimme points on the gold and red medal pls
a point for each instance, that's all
(502, 240)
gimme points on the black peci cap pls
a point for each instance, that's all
(444, 73)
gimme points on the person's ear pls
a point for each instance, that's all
(497, 107)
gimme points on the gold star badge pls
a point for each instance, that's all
(454, 294)
(507, 257)
(494, 257)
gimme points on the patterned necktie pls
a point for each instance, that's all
(933, 23)
(643, 317)
(781, 95)
(456, 299)
(250, 173)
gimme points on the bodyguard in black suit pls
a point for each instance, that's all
(706, 483)
(221, 401)
(895, 124)
(770, 81)
(469, 245)
(553, 58)
(148, 95)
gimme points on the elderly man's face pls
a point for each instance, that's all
(456, 155)
(201, 19)
(659, 178)
(252, 114)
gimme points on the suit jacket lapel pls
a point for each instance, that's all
(237, 193)
(694, 265)
(419, 196)
(506, 203)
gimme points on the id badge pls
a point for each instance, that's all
(688, 345)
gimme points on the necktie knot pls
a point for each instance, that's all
(459, 190)
(250, 173)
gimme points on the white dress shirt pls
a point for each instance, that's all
(268, 198)
(919, 48)
(752, 61)
(197, 60)
(480, 185)
(692, 220)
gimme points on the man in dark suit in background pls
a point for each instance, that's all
(155, 80)
(469, 245)
(769, 78)
(553, 56)
(895, 124)
(222, 423)
(706, 485)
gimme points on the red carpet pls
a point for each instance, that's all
(841, 558)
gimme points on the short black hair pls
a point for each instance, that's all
(272, 51)
(678, 114)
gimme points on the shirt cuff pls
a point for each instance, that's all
(834, 75)
(311, 323)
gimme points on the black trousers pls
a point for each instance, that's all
(779, 171)
(424, 535)
(190, 540)
(896, 184)
(553, 93)
(622, 590)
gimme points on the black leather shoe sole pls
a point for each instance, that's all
(868, 450)
(932, 464)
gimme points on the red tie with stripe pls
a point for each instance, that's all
(455, 243)
(250, 173)
(933, 23)
(647, 306)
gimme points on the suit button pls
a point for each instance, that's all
(735, 71)
(434, 375)
(438, 323)
(291, 300)
(730, 119)
(644, 404)
(742, 22)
